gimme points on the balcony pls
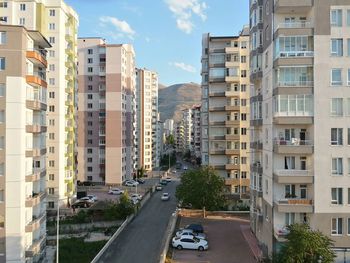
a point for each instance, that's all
(217, 79)
(297, 28)
(232, 123)
(293, 87)
(35, 223)
(232, 181)
(36, 175)
(231, 50)
(35, 199)
(231, 137)
(294, 205)
(35, 104)
(257, 145)
(36, 128)
(232, 151)
(36, 248)
(294, 146)
(232, 79)
(256, 122)
(218, 166)
(292, 6)
(256, 167)
(280, 233)
(232, 166)
(37, 79)
(217, 137)
(36, 152)
(290, 58)
(257, 190)
(217, 123)
(232, 93)
(285, 176)
(217, 151)
(216, 109)
(232, 107)
(37, 57)
(217, 94)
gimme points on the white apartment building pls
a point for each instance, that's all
(196, 131)
(147, 119)
(188, 126)
(58, 22)
(300, 118)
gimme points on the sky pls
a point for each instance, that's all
(166, 34)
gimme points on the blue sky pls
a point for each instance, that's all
(166, 34)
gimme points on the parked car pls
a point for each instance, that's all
(185, 168)
(190, 232)
(190, 243)
(115, 191)
(195, 227)
(168, 179)
(137, 196)
(165, 197)
(141, 181)
(134, 200)
(87, 183)
(159, 187)
(131, 183)
(163, 182)
(91, 198)
(82, 204)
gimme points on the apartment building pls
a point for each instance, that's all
(160, 142)
(300, 131)
(106, 122)
(188, 126)
(147, 119)
(179, 137)
(225, 109)
(196, 131)
(23, 104)
(169, 127)
(58, 22)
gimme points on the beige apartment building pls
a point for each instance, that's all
(106, 101)
(23, 104)
(58, 22)
(225, 109)
(196, 131)
(147, 119)
(300, 98)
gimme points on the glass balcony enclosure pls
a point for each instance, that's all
(294, 76)
(294, 46)
(293, 105)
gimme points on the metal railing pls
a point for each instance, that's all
(296, 54)
(296, 24)
(293, 142)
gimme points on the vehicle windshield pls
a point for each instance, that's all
(196, 239)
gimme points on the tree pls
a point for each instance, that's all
(125, 207)
(170, 140)
(305, 245)
(201, 188)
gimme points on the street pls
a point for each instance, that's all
(141, 240)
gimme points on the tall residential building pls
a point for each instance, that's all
(187, 122)
(196, 131)
(147, 118)
(225, 109)
(23, 104)
(169, 127)
(179, 137)
(300, 102)
(160, 142)
(106, 121)
(58, 22)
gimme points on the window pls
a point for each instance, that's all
(243, 102)
(243, 160)
(52, 40)
(89, 78)
(243, 88)
(90, 61)
(51, 163)
(89, 141)
(243, 131)
(89, 160)
(52, 12)
(89, 169)
(51, 81)
(90, 69)
(348, 17)
(2, 38)
(336, 17)
(52, 26)
(337, 107)
(349, 137)
(336, 136)
(89, 96)
(51, 94)
(90, 51)
(244, 44)
(89, 150)
(52, 53)
(337, 47)
(243, 145)
(22, 7)
(51, 191)
(336, 79)
(51, 136)
(337, 196)
(51, 108)
(2, 64)
(243, 117)
(52, 67)
(243, 74)
(89, 105)
(51, 177)
(348, 80)
(348, 226)
(337, 166)
(3, 19)
(243, 59)
(22, 21)
(51, 204)
(51, 149)
(3, 5)
(89, 87)
(337, 226)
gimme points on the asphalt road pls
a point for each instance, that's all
(141, 240)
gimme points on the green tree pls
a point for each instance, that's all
(125, 207)
(202, 188)
(305, 245)
(170, 140)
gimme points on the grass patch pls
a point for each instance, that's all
(76, 250)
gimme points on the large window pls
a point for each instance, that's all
(336, 136)
(2, 64)
(337, 107)
(292, 46)
(337, 196)
(336, 78)
(337, 226)
(336, 17)
(295, 76)
(2, 38)
(337, 166)
(293, 105)
(337, 47)
(217, 59)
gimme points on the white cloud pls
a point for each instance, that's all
(183, 10)
(122, 27)
(183, 66)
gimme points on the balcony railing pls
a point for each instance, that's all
(295, 54)
(293, 142)
(291, 172)
(295, 83)
(297, 24)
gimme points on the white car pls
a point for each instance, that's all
(185, 168)
(86, 199)
(92, 198)
(131, 183)
(136, 196)
(190, 243)
(189, 233)
(168, 179)
(115, 191)
(134, 200)
(165, 197)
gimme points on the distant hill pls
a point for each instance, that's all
(173, 99)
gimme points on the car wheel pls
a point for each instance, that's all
(179, 247)
(201, 248)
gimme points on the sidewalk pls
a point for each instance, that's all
(252, 241)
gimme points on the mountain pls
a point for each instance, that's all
(173, 99)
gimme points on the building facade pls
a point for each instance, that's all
(169, 127)
(196, 132)
(106, 122)
(58, 22)
(147, 118)
(300, 99)
(179, 137)
(188, 126)
(225, 109)
(23, 105)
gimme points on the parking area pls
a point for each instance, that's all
(226, 242)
